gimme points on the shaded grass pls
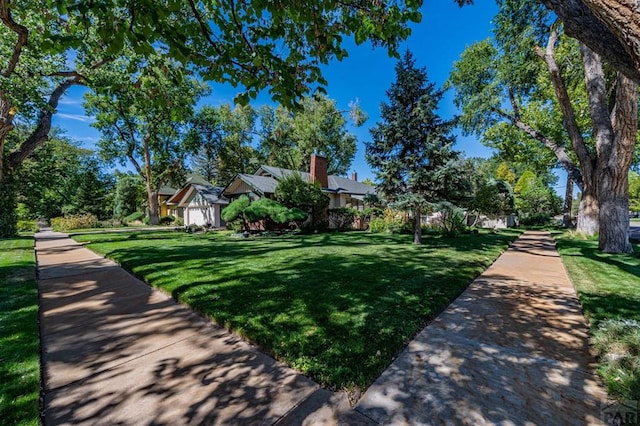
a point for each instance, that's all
(19, 341)
(608, 286)
(337, 307)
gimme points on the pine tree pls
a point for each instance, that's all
(411, 151)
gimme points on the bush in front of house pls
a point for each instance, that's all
(80, 221)
(342, 217)
(167, 220)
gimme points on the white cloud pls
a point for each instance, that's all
(77, 117)
(70, 101)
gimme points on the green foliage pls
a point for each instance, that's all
(19, 340)
(294, 192)
(391, 221)
(451, 220)
(260, 45)
(235, 210)
(134, 217)
(84, 221)
(634, 191)
(289, 137)
(154, 101)
(167, 220)
(534, 198)
(411, 151)
(222, 138)
(302, 297)
(129, 195)
(342, 217)
(27, 226)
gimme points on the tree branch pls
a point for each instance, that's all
(20, 30)
(41, 133)
(559, 151)
(562, 95)
(603, 32)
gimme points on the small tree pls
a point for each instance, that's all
(295, 192)
(411, 150)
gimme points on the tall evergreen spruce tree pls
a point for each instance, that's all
(411, 151)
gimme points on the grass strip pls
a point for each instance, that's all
(608, 286)
(19, 340)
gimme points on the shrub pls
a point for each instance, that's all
(81, 221)
(134, 217)
(342, 217)
(179, 221)
(451, 221)
(166, 220)
(27, 226)
(617, 344)
(391, 221)
(146, 220)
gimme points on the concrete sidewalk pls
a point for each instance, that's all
(512, 349)
(116, 351)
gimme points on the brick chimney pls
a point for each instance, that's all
(318, 170)
(354, 176)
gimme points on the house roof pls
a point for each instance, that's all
(262, 184)
(337, 184)
(166, 190)
(212, 194)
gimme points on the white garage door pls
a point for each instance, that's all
(195, 216)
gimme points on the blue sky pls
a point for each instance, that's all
(365, 74)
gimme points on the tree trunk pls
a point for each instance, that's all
(417, 226)
(567, 220)
(614, 212)
(154, 207)
(610, 28)
(613, 171)
(8, 203)
(588, 212)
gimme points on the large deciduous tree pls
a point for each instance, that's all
(501, 83)
(411, 148)
(223, 137)
(36, 70)
(143, 119)
(611, 28)
(289, 137)
(256, 45)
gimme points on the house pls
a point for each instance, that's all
(164, 194)
(342, 191)
(198, 204)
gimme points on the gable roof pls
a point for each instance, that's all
(265, 180)
(212, 194)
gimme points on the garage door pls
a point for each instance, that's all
(195, 216)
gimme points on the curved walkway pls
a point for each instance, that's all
(512, 349)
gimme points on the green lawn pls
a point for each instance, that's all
(609, 289)
(19, 344)
(337, 307)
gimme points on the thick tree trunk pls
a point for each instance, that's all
(417, 226)
(567, 220)
(610, 28)
(588, 212)
(613, 171)
(8, 203)
(154, 207)
(614, 212)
